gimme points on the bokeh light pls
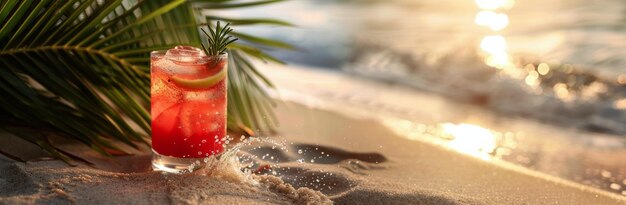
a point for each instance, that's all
(471, 139)
(495, 21)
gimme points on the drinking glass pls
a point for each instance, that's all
(188, 107)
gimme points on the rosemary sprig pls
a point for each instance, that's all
(218, 39)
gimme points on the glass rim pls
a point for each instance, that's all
(220, 56)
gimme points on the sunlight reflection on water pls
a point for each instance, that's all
(494, 46)
(465, 138)
(496, 54)
(471, 139)
(495, 21)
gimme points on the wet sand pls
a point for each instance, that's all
(434, 170)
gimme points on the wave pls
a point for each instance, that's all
(557, 93)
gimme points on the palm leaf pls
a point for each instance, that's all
(230, 4)
(250, 21)
(263, 41)
(79, 68)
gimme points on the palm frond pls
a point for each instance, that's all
(249, 21)
(231, 4)
(79, 68)
(263, 41)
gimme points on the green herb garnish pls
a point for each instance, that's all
(218, 39)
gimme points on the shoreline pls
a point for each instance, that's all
(434, 168)
(564, 153)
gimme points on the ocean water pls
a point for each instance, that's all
(554, 71)
(561, 62)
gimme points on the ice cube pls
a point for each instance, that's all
(182, 59)
(164, 65)
(185, 55)
(185, 52)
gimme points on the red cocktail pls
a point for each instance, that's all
(188, 97)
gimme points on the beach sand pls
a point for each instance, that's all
(325, 157)
(367, 164)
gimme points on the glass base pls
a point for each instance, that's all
(174, 164)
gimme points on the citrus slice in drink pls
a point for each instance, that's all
(202, 83)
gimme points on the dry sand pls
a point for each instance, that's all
(328, 157)
(53, 182)
(330, 173)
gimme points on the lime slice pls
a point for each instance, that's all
(203, 83)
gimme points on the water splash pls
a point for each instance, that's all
(227, 165)
(236, 164)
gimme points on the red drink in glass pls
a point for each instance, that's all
(188, 107)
